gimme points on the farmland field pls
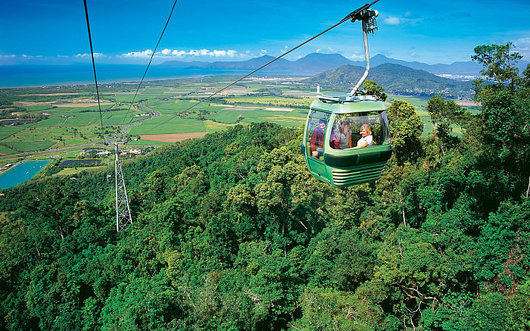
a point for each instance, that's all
(67, 116)
(6, 131)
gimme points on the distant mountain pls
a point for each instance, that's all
(463, 68)
(468, 68)
(280, 64)
(394, 78)
(315, 63)
(184, 64)
(310, 64)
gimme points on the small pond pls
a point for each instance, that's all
(21, 173)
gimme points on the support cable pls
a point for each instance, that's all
(93, 64)
(353, 16)
(150, 60)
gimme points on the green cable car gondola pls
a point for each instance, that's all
(347, 140)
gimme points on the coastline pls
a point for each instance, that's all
(22, 76)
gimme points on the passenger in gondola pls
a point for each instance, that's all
(344, 136)
(366, 137)
(317, 139)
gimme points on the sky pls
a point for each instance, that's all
(126, 31)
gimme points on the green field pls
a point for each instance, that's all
(6, 131)
(169, 124)
(75, 171)
(279, 100)
(171, 106)
(6, 150)
(271, 101)
(23, 146)
(144, 142)
(74, 117)
(39, 108)
(71, 136)
(245, 115)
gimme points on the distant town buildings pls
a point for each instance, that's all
(131, 152)
(100, 152)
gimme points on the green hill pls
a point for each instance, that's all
(395, 79)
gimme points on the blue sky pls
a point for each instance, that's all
(125, 31)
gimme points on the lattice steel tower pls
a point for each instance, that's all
(123, 212)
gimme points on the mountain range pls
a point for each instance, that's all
(316, 63)
(334, 71)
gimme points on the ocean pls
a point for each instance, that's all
(51, 75)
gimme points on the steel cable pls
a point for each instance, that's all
(93, 64)
(348, 17)
(150, 60)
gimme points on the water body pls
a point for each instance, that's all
(51, 75)
(21, 173)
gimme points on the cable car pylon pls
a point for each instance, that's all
(123, 211)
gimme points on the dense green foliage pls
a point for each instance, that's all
(230, 232)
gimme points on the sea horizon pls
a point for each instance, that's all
(35, 75)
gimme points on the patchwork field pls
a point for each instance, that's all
(172, 137)
(38, 119)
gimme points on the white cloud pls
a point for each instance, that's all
(407, 20)
(145, 53)
(228, 53)
(167, 53)
(133, 57)
(356, 57)
(327, 50)
(85, 55)
(392, 20)
(522, 46)
(178, 53)
(6, 59)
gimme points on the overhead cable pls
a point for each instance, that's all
(93, 64)
(150, 59)
(351, 16)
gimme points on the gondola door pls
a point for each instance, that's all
(315, 143)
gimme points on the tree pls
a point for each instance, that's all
(406, 128)
(443, 113)
(499, 64)
(503, 127)
(372, 88)
(141, 304)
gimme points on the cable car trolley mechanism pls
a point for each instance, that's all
(346, 138)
